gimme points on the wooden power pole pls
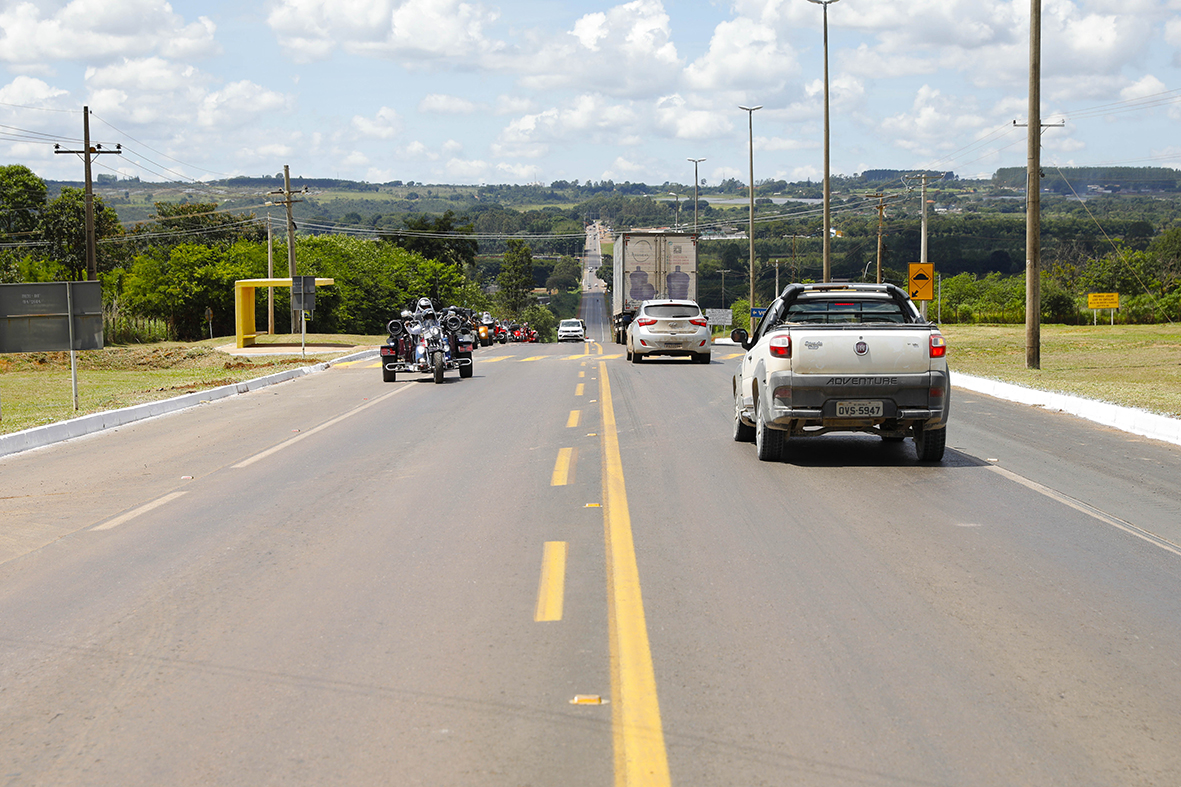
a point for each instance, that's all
(87, 152)
(1033, 192)
(288, 201)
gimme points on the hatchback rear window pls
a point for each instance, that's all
(671, 310)
(845, 310)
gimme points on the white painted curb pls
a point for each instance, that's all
(1127, 419)
(40, 436)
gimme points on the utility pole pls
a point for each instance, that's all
(288, 201)
(827, 183)
(881, 221)
(750, 114)
(1033, 194)
(695, 161)
(86, 153)
(270, 275)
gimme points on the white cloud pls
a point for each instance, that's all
(520, 172)
(934, 123)
(88, 31)
(743, 54)
(384, 125)
(513, 105)
(406, 31)
(441, 104)
(27, 91)
(466, 170)
(238, 104)
(624, 51)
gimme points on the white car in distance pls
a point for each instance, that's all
(668, 327)
(571, 331)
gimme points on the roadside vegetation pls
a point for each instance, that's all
(36, 389)
(1131, 365)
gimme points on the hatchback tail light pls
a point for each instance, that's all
(938, 346)
(644, 322)
(780, 347)
(700, 322)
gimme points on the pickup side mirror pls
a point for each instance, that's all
(740, 336)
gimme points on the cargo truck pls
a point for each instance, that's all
(649, 264)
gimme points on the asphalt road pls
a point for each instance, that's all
(563, 572)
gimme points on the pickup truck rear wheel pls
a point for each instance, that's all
(769, 442)
(929, 443)
(743, 432)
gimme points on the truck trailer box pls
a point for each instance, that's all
(650, 265)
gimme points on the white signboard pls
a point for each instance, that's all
(721, 317)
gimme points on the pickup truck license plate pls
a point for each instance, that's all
(859, 409)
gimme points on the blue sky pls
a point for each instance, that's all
(467, 91)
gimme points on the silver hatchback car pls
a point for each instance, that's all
(668, 327)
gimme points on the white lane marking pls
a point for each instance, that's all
(1090, 511)
(145, 508)
(310, 432)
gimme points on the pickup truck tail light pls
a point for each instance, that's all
(938, 346)
(780, 347)
(644, 322)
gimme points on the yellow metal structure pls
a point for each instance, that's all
(244, 330)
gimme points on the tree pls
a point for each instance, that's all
(422, 235)
(22, 198)
(200, 221)
(177, 284)
(566, 276)
(63, 225)
(516, 277)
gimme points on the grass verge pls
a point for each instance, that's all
(1131, 365)
(35, 388)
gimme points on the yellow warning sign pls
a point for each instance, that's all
(1103, 300)
(921, 285)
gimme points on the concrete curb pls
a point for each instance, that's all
(1127, 419)
(40, 436)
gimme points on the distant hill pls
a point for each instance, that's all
(1093, 180)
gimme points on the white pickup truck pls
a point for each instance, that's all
(842, 358)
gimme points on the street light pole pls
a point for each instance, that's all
(750, 115)
(677, 197)
(695, 161)
(827, 187)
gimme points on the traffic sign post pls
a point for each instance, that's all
(1103, 300)
(921, 284)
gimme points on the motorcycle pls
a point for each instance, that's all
(501, 334)
(423, 341)
(486, 330)
(516, 333)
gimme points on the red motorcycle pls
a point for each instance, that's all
(516, 333)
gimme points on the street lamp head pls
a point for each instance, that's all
(751, 109)
(822, 2)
